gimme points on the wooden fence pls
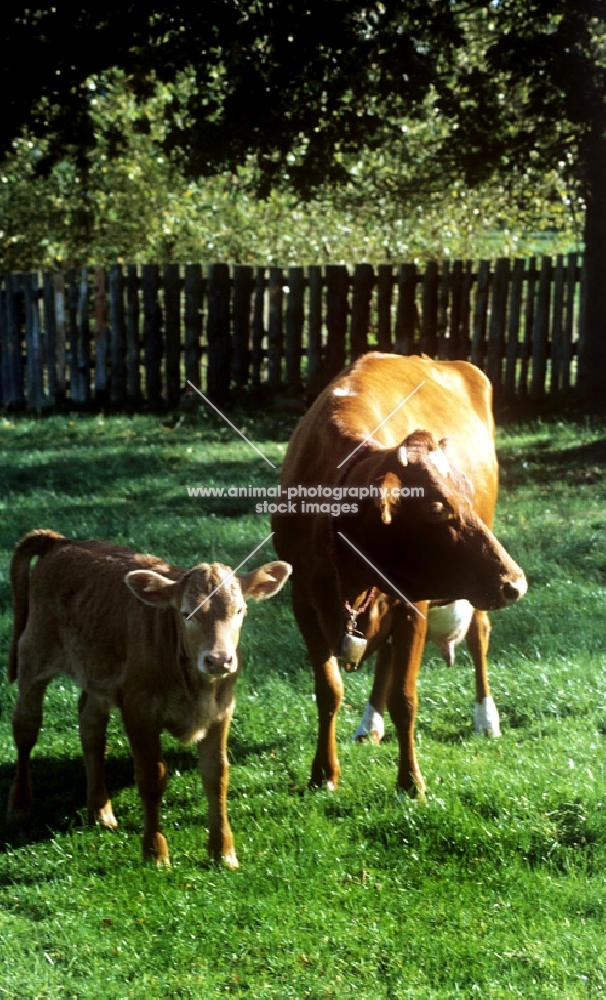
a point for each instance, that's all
(127, 335)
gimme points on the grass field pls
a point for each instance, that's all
(496, 887)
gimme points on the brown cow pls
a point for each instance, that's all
(420, 434)
(158, 641)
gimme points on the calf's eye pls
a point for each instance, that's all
(437, 509)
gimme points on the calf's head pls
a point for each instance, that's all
(210, 601)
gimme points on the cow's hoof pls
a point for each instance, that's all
(486, 718)
(415, 790)
(230, 860)
(371, 727)
(104, 816)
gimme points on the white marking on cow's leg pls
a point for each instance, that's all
(371, 726)
(486, 718)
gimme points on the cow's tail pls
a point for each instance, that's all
(37, 543)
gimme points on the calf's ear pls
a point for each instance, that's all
(150, 587)
(265, 581)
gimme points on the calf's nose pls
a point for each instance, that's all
(218, 663)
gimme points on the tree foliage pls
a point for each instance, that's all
(301, 93)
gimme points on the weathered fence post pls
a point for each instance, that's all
(384, 300)
(455, 348)
(498, 323)
(528, 327)
(429, 314)
(83, 341)
(35, 392)
(557, 326)
(363, 281)
(49, 335)
(133, 374)
(172, 326)
(406, 313)
(443, 346)
(243, 288)
(218, 333)
(100, 303)
(337, 283)
(117, 335)
(541, 331)
(295, 317)
(274, 331)
(512, 350)
(571, 282)
(194, 293)
(314, 351)
(478, 344)
(152, 333)
(73, 339)
(258, 327)
(60, 332)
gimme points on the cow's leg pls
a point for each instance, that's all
(27, 719)
(408, 635)
(214, 768)
(371, 724)
(485, 714)
(151, 775)
(93, 716)
(329, 694)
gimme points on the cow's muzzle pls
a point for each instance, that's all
(514, 589)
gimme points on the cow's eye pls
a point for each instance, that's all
(437, 509)
(242, 610)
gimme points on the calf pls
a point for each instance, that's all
(158, 641)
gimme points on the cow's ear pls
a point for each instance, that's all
(150, 587)
(265, 581)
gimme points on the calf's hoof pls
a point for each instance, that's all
(19, 808)
(156, 849)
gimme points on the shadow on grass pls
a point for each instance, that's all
(584, 463)
(59, 789)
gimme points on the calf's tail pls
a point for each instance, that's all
(37, 543)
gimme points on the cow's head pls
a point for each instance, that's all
(425, 533)
(211, 603)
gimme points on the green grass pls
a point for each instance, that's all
(494, 888)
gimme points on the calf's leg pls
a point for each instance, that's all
(408, 636)
(27, 719)
(93, 716)
(151, 775)
(214, 770)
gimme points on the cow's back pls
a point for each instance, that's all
(450, 399)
